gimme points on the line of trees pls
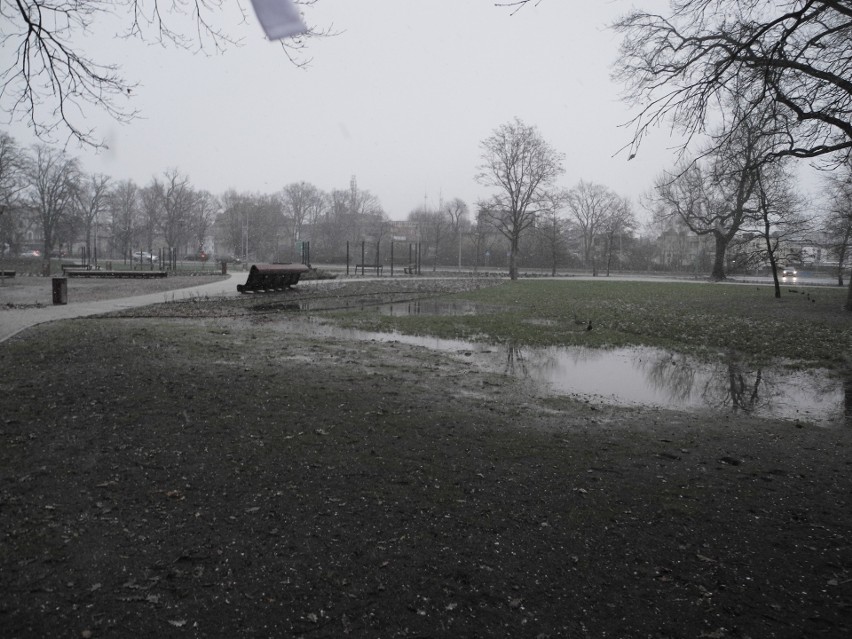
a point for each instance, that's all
(45, 194)
(528, 219)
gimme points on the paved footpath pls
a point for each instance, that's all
(14, 321)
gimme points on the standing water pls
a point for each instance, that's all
(650, 377)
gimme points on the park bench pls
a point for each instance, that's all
(377, 267)
(82, 272)
(272, 277)
(411, 269)
(66, 266)
(7, 273)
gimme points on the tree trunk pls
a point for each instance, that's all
(608, 256)
(773, 265)
(848, 305)
(513, 267)
(718, 272)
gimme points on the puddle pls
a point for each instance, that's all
(429, 307)
(649, 377)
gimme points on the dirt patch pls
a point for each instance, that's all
(224, 476)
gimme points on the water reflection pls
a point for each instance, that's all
(515, 364)
(648, 377)
(729, 384)
(429, 306)
(665, 376)
(743, 388)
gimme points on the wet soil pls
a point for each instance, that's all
(199, 470)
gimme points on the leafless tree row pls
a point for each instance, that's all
(46, 195)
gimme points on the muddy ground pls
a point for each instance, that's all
(203, 469)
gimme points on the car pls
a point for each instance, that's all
(33, 253)
(788, 271)
(146, 257)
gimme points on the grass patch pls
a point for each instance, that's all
(805, 326)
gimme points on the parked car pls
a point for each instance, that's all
(789, 271)
(32, 253)
(146, 258)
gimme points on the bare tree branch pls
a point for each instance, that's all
(48, 81)
(792, 55)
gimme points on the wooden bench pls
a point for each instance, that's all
(68, 267)
(272, 277)
(7, 273)
(115, 274)
(377, 267)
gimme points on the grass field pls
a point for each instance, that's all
(806, 326)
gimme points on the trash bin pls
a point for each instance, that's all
(60, 290)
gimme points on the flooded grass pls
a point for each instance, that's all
(805, 327)
(642, 376)
(688, 346)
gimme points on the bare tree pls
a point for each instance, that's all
(230, 223)
(50, 82)
(301, 202)
(432, 226)
(838, 221)
(251, 225)
(151, 198)
(591, 205)
(11, 164)
(11, 184)
(338, 224)
(91, 197)
(779, 208)
(616, 226)
(793, 54)
(456, 210)
(124, 215)
(552, 231)
(202, 212)
(52, 181)
(484, 237)
(522, 167)
(177, 203)
(717, 196)
(367, 217)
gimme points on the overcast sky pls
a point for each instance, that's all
(401, 99)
